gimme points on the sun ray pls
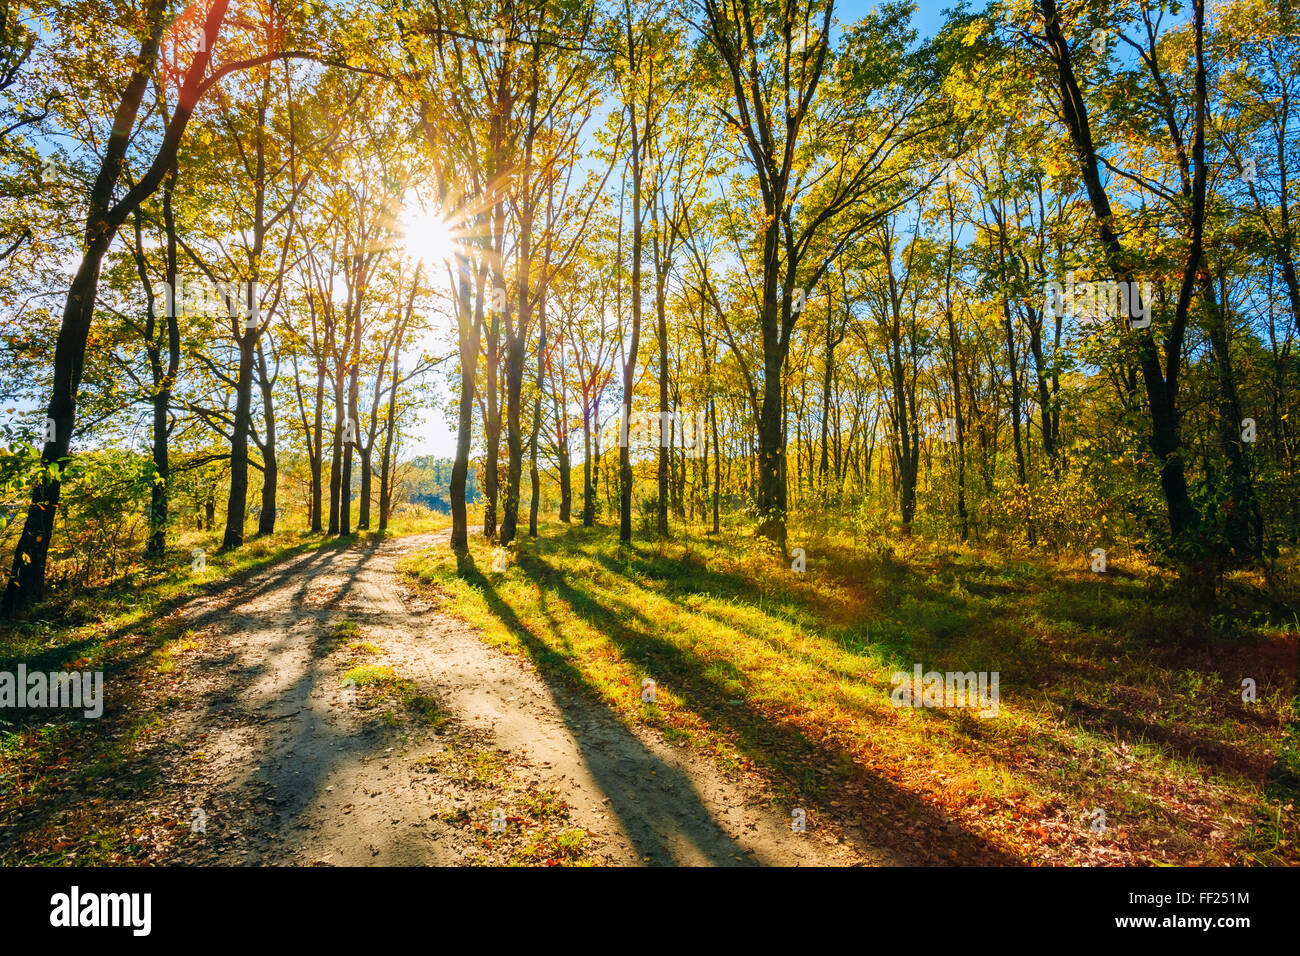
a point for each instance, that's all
(427, 236)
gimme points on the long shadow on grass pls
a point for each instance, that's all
(1113, 645)
(1144, 617)
(117, 667)
(656, 833)
(894, 654)
(1074, 670)
(778, 746)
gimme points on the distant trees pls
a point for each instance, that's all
(428, 483)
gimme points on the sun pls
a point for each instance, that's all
(426, 235)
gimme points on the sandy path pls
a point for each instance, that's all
(260, 736)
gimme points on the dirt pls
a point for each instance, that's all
(266, 759)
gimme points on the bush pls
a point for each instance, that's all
(103, 517)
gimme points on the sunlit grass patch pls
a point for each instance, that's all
(372, 675)
(566, 848)
(764, 666)
(543, 804)
(165, 658)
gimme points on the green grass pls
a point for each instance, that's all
(1116, 692)
(372, 675)
(536, 831)
(381, 686)
(566, 848)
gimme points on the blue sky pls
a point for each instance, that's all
(928, 17)
(929, 13)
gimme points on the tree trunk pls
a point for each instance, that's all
(629, 366)
(336, 452)
(390, 426)
(959, 424)
(562, 447)
(469, 327)
(353, 414)
(516, 348)
(1161, 385)
(237, 502)
(665, 429)
(366, 453)
(164, 379)
(492, 436)
(317, 451)
(26, 582)
(270, 469)
(587, 489)
(534, 476)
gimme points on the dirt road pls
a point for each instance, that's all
(273, 758)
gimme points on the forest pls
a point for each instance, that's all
(884, 415)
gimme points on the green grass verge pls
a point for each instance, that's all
(1116, 692)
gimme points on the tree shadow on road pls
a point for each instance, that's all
(681, 829)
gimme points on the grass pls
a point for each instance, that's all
(378, 684)
(512, 820)
(566, 848)
(372, 675)
(1116, 693)
(381, 685)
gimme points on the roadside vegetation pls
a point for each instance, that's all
(1117, 693)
